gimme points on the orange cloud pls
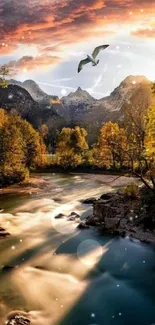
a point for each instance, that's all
(46, 23)
(30, 63)
(145, 32)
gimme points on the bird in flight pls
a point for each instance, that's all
(92, 58)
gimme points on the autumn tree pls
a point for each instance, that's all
(3, 117)
(12, 167)
(111, 146)
(33, 145)
(21, 148)
(71, 146)
(43, 130)
(149, 144)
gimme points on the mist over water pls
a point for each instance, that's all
(66, 276)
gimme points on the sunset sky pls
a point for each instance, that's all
(44, 40)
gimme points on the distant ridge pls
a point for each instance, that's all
(80, 108)
(35, 91)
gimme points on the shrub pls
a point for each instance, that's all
(131, 191)
(9, 176)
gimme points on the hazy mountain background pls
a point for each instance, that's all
(78, 108)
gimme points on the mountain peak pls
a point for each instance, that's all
(29, 82)
(79, 95)
(134, 80)
(35, 91)
(79, 89)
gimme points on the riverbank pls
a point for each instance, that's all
(82, 170)
(117, 214)
(35, 184)
(38, 182)
(113, 213)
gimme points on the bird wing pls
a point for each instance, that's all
(82, 62)
(98, 49)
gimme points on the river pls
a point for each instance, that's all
(63, 275)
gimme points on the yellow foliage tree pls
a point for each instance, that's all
(150, 143)
(3, 117)
(71, 146)
(21, 148)
(111, 146)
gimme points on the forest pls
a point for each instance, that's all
(128, 146)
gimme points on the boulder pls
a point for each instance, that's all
(59, 216)
(92, 221)
(102, 210)
(89, 200)
(82, 225)
(73, 216)
(8, 268)
(4, 234)
(111, 224)
(107, 196)
(18, 318)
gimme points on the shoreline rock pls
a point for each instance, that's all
(89, 200)
(82, 225)
(116, 214)
(3, 233)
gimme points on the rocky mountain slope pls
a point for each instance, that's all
(35, 91)
(18, 99)
(80, 108)
(76, 104)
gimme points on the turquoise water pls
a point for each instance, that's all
(65, 276)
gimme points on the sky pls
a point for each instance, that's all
(44, 40)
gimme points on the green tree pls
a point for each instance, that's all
(4, 72)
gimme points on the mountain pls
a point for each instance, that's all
(35, 91)
(80, 108)
(123, 93)
(18, 99)
(75, 105)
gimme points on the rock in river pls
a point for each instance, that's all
(18, 318)
(82, 225)
(59, 216)
(89, 200)
(73, 216)
(3, 233)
